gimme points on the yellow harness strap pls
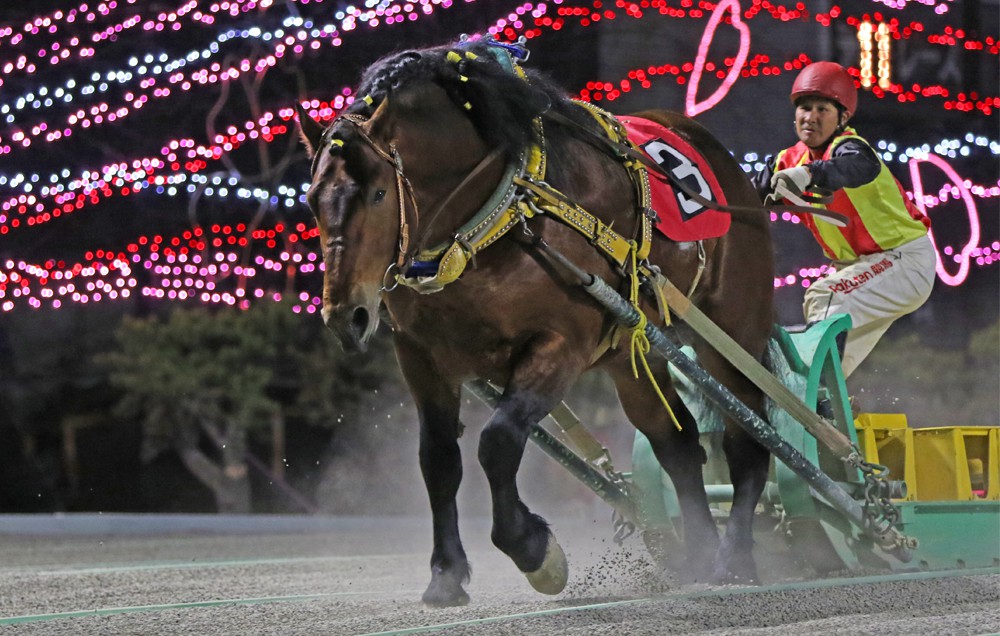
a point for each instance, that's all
(539, 197)
(552, 202)
(638, 174)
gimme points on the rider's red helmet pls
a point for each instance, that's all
(829, 80)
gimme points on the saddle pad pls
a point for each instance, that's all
(679, 217)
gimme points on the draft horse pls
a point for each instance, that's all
(431, 141)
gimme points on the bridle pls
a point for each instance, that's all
(404, 189)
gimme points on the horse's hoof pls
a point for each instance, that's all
(445, 590)
(726, 576)
(552, 576)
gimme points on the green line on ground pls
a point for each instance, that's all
(107, 611)
(728, 591)
(716, 593)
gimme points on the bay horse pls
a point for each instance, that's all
(432, 140)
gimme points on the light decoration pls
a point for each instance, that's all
(939, 7)
(58, 52)
(865, 73)
(107, 181)
(350, 15)
(963, 187)
(761, 64)
(201, 264)
(874, 60)
(300, 35)
(692, 107)
(93, 186)
(884, 57)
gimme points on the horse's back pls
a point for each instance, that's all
(735, 183)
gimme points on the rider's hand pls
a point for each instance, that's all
(794, 180)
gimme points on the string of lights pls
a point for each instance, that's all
(94, 186)
(310, 35)
(186, 272)
(295, 35)
(229, 264)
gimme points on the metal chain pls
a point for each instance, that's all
(622, 526)
(881, 516)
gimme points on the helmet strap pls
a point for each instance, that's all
(841, 119)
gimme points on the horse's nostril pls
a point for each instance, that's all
(359, 319)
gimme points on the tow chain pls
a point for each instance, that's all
(622, 526)
(881, 516)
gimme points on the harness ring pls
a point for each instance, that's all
(395, 279)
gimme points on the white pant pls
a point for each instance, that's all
(874, 290)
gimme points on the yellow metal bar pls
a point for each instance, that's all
(943, 463)
(993, 471)
(886, 439)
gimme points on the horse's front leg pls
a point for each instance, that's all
(441, 465)
(540, 377)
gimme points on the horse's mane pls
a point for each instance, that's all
(501, 104)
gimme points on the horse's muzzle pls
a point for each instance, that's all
(352, 326)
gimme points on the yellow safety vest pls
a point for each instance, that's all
(880, 216)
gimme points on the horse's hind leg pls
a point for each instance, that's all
(441, 465)
(681, 456)
(748, 466)
(542, 374)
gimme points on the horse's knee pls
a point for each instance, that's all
(500, 447)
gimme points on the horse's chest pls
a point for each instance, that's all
(464, 337)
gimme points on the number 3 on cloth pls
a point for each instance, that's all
(683, 170)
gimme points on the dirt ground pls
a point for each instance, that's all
(245, 575)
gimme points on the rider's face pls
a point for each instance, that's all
(816, 119)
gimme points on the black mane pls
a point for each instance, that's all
(502, 104)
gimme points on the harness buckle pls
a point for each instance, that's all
(397, 159)
(467, 247)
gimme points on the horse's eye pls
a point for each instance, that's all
(379, 196)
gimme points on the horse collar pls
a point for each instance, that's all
(433, 268)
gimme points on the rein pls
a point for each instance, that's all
(623, 150)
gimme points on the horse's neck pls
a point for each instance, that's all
(455, 200)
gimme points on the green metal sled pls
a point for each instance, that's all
(961, 532)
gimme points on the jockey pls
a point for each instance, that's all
(883, 261)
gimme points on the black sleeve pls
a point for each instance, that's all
(761, 179)
(852, 165)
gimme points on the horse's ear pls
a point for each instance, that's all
(309, 129)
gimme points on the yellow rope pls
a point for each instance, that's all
(639, 342)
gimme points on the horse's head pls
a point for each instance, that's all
(391, 175)
(356, 206)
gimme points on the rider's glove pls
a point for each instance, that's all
(794, 180)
